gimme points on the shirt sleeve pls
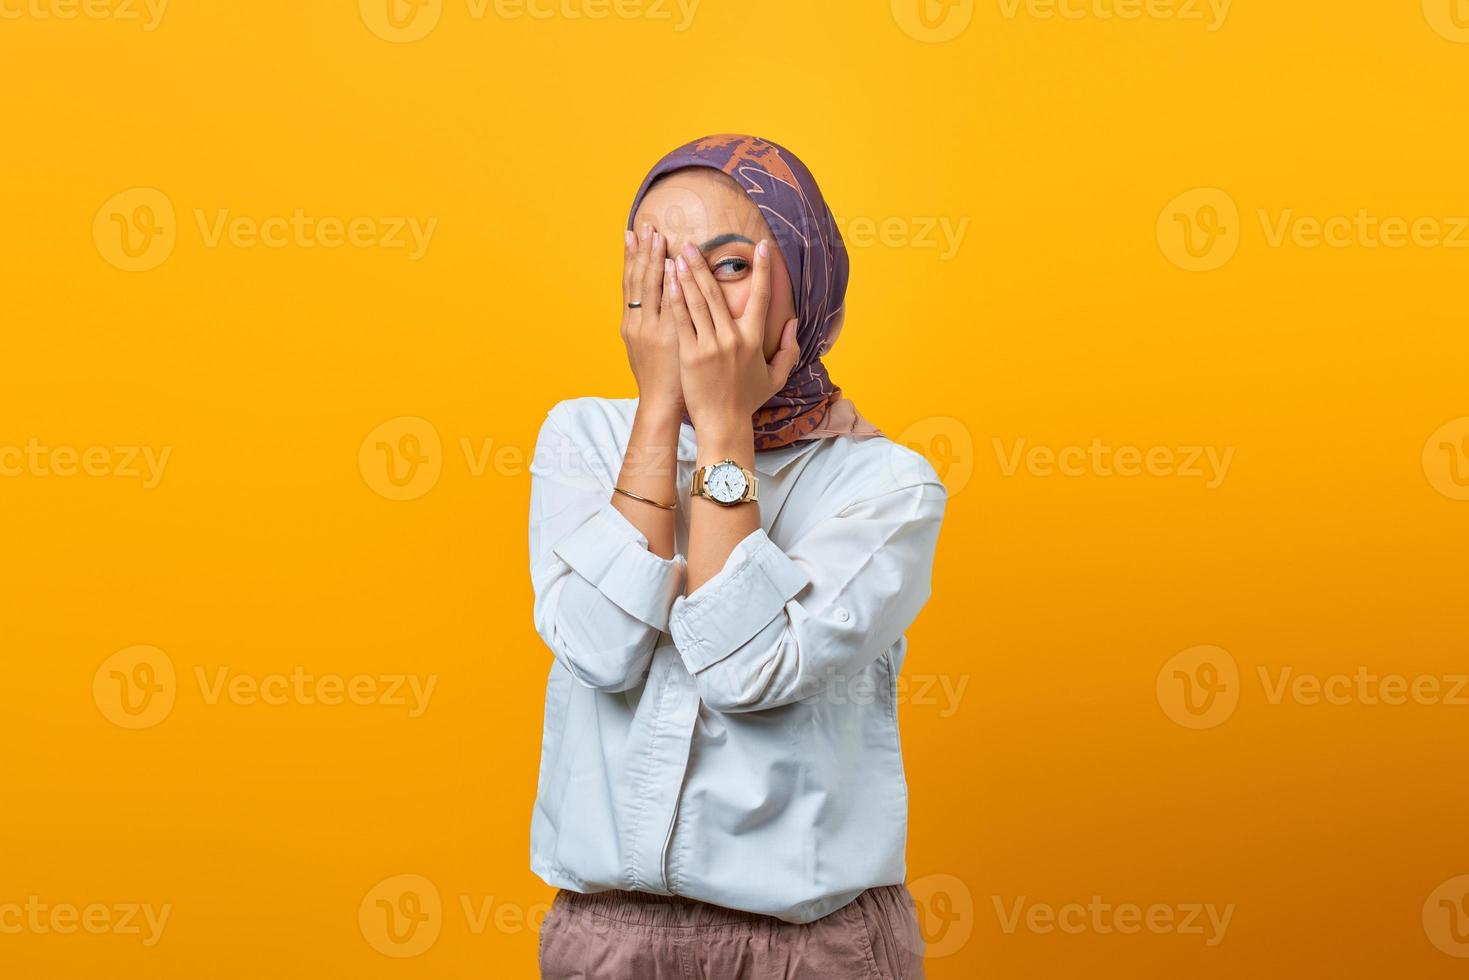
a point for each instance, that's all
(601, 597)
(773, 626)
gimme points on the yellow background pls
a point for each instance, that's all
(1065, 315)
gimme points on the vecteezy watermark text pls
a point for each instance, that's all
(1097, 458)
(402, 916)
(301, 230)
(137, 688)
(1210, 13)
(137, 230)
(406, 21)
(1203, 919)
(299, 687)
(146, 13)
(1201, 229)
(41, 461)
(942, 234)
(143, 919)
(1202, 686)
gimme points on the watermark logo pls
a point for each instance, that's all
(401, 916)
(678, 12)
(412, 692)
(1446, 459)
(404, 915)
(41, 461)
(136, 229)
(1363, 229)
(1199, 230)
(945, 910)
(135, 687)
(1206, 920)
(942, 692)
(143, 920)
(508, 918)
(948, 446)
(1446, 917)
(401, 21)
(1207, 464)
(146, 13)
(937, 233)
(409, 233)
(402, 458)
(405, 21)
(1202, 686)
(138, 687)
(933, 21)
(1285, 685)
(1450, 18)
(1199, 687)
(1211, 13)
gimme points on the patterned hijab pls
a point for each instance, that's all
(810, 406)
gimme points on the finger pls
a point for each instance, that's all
(683, 323)
(708, 286)
(784, 361)
(652, 291)
(758, 305)
(629, 247)
(694, 299)
(640, 268)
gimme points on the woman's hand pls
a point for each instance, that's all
(652, 342)
(650, 463)
(722, 359)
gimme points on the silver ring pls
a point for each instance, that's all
(636, 304)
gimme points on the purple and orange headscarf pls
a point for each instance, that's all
(810, 406)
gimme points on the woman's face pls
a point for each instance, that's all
(707, 208)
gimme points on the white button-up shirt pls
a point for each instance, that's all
(739, 745)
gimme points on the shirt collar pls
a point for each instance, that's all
(767, 461)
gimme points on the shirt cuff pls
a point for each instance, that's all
(612, 554)
(727, 611)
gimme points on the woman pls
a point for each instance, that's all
(723, 569)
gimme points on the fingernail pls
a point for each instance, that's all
(668, 267)
(629, 238)
(683, 267)
(762, 248)
(657, 239)
(689, 250)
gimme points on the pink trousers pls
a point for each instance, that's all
(620, 935)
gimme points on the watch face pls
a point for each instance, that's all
(725, 482)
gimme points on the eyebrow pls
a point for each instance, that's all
(724, 239)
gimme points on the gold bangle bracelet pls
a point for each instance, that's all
(629, 493)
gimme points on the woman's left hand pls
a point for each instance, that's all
(722, 359)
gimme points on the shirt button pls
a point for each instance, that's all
(842, 615)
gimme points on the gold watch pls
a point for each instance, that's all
(725, 482)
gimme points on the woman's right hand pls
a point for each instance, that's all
(650, 336)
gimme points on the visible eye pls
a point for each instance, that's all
(730, 267)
